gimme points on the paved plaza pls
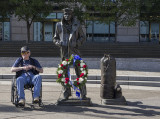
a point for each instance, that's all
(140, 79)
(142, 104)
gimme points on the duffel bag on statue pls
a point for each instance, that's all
(108, 70)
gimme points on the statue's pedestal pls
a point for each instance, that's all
(116, 101)
(74, 102)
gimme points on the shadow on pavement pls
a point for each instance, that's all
(6, 108)
(96, 110)
(132, 109)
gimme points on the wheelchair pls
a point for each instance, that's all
(14, 93)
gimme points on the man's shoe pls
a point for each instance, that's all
(36, 100)
(21, 102)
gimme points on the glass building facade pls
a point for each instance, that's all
(95, 31)
(100, 32)
(44, 31)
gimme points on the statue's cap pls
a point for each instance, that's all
(68, 10)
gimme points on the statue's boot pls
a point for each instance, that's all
(83, 92)
(66, 92)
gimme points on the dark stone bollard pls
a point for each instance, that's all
(110, 92)
(108, 77)
(106, 91)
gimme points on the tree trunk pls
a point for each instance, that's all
(28, 32)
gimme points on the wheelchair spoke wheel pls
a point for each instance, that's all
(12, 95)
(13, 91)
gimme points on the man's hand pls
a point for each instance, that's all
(28, 67)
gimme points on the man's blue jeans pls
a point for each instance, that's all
(22, 80)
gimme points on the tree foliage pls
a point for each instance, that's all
(6, 9)
(124, 12)
(150, 10)
(30, 10)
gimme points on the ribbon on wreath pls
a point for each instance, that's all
(76, 57)
(78, 94)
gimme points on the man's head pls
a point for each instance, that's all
(67, 14)
(25, 52)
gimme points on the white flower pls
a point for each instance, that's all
(81, 80)
(81, 61)
(84, 72)
(60, 71)
(63, 79)
(85, 78)
(82, 64)
(64, 63)
(59, 66)
(81, 69)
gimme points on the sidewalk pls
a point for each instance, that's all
(142, 104)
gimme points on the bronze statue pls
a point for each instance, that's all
(69, 36)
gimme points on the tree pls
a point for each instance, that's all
(149, 10)
(6, 9)
(124, 12)
(30, 10)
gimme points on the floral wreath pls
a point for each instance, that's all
(62, 72)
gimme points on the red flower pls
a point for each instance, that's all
(61, 65)
(67, 79)
(64, 67)
(84, 66)
(66, 82)
(77, 79)
(79, 64)
(77, 83)
(59, 75)
(67, 60)
(82, 74)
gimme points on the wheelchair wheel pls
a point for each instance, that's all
(14, 95)
(16, 101)
(13, 91)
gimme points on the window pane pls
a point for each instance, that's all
(154, 32)
(101, 32)
(48, 31)
(112, 28)
(101, 28)
(6, 31)
(89, 26)
(37, 31)
(1, 26)
(144, 31)
(144, 27)
(59, 15)
(51, 16)
(89, 30)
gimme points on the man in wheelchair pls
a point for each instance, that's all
(27, 72)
